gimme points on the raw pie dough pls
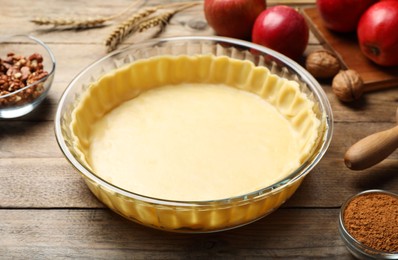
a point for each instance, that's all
(194, 140)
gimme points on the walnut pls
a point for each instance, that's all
(322, 64)
(347, 85)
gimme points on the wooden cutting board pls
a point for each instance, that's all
(347, 49)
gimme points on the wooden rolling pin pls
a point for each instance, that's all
(372, 149)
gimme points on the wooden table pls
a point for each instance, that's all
(47, 212)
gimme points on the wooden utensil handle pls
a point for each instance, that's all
(372, 149)
(378, 86)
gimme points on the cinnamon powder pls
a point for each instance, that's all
(372, 219)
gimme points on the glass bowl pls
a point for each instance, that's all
(194, 216)
(357, 248)
(27, 69)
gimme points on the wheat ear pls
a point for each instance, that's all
(127, 27)
(164, 18)
(72, 22)
(141, 22)
(161, 20)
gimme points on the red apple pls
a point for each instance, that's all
(378, 33)
(233, 18)
(342, 15)
(282, 29)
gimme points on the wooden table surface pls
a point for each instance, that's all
(47, 212)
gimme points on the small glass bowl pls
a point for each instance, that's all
(356, 248)
(22, 101)
(194, 216)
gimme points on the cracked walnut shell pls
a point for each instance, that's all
(322, 64)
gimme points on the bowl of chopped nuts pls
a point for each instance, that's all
(27, 68)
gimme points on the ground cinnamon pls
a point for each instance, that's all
(372, 219)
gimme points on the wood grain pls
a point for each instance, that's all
(100, 234)
(43, 183)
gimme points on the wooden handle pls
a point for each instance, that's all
(375, 86)
(372, 149)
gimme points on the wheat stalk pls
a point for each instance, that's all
(72, 22)
(78, 22)
(141, 22)
(127, 27)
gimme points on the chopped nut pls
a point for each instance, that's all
(17, 75)
(17, 72)
(25, 70)
(37, 57)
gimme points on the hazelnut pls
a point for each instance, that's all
(322, 64)
(347, 85)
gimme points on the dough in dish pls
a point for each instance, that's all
(194, 142)
(197, 140)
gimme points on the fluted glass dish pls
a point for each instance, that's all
(194, 216)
